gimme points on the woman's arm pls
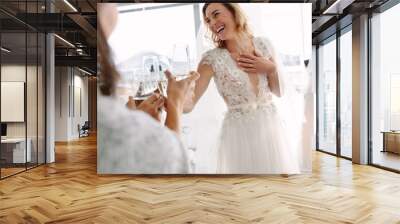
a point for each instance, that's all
(173, 119)
(176, 91)
(273, 79)
(206, 72)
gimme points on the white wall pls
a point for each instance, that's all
(80, 109)
(61, 103)
(70, 83)
(33, 127)
(17, 73)
(14, 73)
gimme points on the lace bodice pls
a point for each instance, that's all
(234, 85)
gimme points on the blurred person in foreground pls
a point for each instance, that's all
(133, 141)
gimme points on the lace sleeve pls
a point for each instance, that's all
(207, 59)
(267, 47)
(269, 51)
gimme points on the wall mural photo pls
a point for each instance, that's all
(214, 88)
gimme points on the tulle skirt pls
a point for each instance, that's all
(253, 141)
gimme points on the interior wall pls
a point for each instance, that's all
(71, 102)
(33, 126)
(61, 103)
(17, 73)
(80, 102)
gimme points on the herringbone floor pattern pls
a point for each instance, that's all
(70, 191)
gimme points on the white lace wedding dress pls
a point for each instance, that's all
(253, 139)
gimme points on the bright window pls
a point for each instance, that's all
(327, 97)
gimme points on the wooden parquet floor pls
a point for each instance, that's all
(10, 171)
(70, 191)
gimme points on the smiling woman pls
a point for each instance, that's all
(253, 139)
(221, 30)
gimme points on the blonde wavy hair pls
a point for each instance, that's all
(240, 18)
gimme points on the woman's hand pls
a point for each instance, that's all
(189, 98)
(256, 64)
(180, 92)
(260, 65)
(152, 106)
(177, 91)
(131, 104)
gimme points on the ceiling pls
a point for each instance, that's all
(74, 21)
(329, 16)
(325, 13)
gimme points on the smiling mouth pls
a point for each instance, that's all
(219, 30)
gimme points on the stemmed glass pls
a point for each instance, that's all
(180, 65)
(164, 64)
(151, 76)
(148, 77)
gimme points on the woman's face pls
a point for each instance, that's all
(220, 21)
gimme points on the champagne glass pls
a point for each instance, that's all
(135, 82)
(148, 77)
(164, 64)
(180, 65)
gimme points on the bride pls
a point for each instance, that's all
(246, 74)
